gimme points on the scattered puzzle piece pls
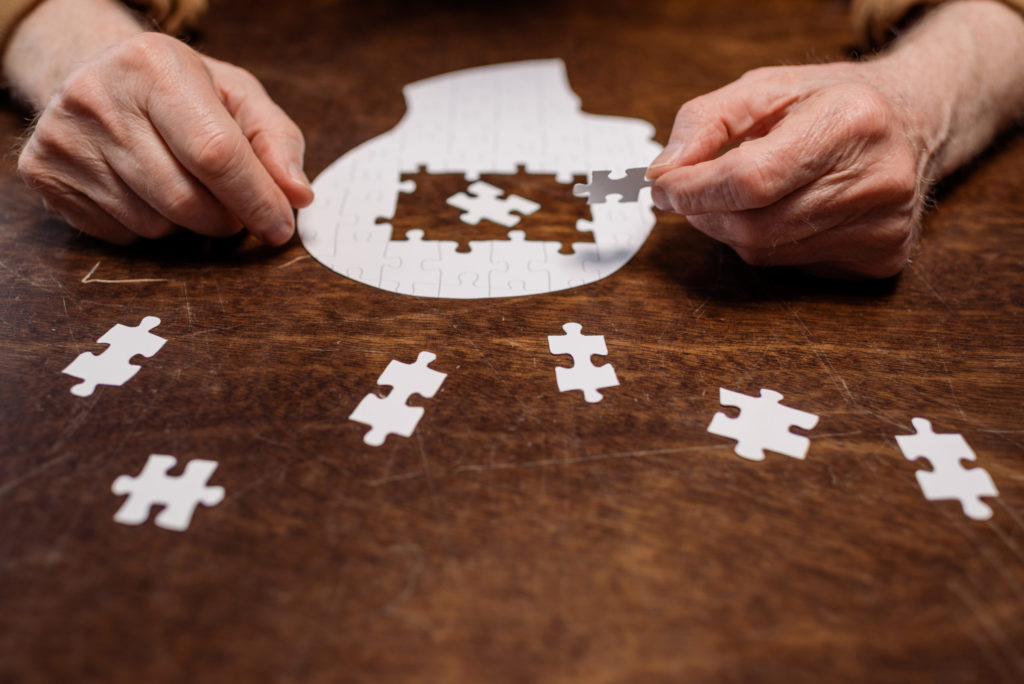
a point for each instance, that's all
(113, 366)
(485, 201)
(948, 479)
(763, 424)
(601, 186)
(178, 495)
(583, 375)
(391, 415)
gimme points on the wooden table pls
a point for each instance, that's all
(520, 534)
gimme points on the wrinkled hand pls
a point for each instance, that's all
(150, 135)
(827, 175)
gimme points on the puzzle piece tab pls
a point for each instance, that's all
(763, 424)
(947, 478)
(601, 186)
(391, 415)
(583, 375)
(486, 202)
(178, 495)
(113, 366)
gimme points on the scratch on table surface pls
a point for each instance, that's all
(640, 453)
(89, 279)
(836, 378)
(296, 259)
(915, 266)
(188, 308)
(1004, 646)
(952, 392)
(394, 478)
(412, 577)
(985, 551)
(1009, 541)
(35, 470)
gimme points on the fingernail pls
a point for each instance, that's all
(669, 156)
(281, 233)
(660, 198)
(299, 176)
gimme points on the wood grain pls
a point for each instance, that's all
(521, 534)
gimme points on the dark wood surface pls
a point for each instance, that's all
(520, 534)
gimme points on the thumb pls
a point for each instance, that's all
(706, 124)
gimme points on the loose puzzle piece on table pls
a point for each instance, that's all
(482, 124)
(583, 375)
(179, 495)
(391, 415)
(485, 201)
(763, 425)
(113, 366)
(601, 186)
(948, 479)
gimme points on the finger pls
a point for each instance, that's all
(209, 143)
(128, 209)
(872, 248)
(800, 149)
(84, 215)
(888, 191)
(148, 168)
(275, 138)
(706, 124)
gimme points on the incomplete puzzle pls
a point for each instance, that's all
(948, 479)
(601, 186)
(391, 415)
(763, 424)
(583, 375)
(493, 121)
(113, 366)
(178, 495)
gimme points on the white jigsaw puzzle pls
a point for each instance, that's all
(113, 366)
(391, 415)
(948, 479)
(179, 495)
(583, 375)
(601, 186)
(485, 201)
(493, 119)
(763, 425)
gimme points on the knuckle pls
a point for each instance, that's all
(864, 111)
(181, 205)
(695, 110)
(147, 52)
(749, 186)
(84, 96)
(217, 153)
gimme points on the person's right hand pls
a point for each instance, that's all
(150, 135)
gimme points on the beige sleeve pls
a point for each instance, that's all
(171, 15)
(875, 17)
(11, 12)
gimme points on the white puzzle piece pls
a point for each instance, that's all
(113, 366)
(601, 186)
(486, 120)
(391, 415)
(948, 479)
(763, 425)
(179, 495)
(485, 201)
(583, 375)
